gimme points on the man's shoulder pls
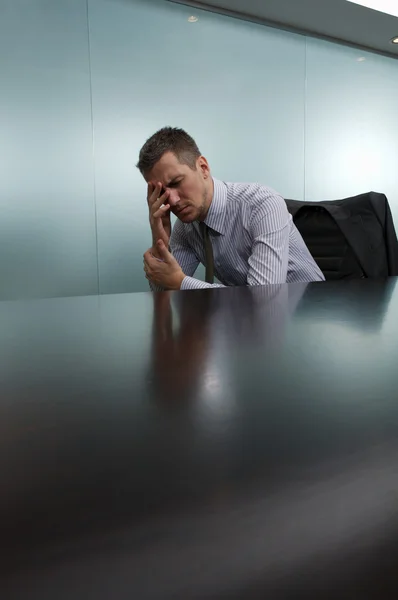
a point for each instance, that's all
(251, 193)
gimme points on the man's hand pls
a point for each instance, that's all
(159, 214)
(165, 270)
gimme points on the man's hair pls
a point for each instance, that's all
(168, 139)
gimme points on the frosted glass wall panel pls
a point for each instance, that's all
(237, 87)
(47, 224)
(351, 123)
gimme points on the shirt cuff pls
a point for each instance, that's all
(189, 283)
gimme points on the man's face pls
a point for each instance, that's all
(188, 196)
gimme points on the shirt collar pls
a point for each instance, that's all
(216, 213)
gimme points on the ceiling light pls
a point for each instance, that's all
(193, 19)
(394, 40)
(361, 59)
(390, 7)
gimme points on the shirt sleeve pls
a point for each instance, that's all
(183, 253)
(270, 228)
(189, 283)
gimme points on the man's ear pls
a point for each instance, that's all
(203, 166)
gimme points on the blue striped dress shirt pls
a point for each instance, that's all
(254, 240)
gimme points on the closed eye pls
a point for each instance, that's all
(174, 184)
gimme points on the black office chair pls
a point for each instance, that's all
(350, 238)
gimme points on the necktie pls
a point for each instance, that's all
(208, 252)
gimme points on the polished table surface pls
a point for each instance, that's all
(228, 443)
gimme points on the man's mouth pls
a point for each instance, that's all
(183, 211)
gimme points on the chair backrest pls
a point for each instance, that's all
(327, 244)
(350, 238)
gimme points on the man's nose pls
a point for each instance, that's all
(174, 198)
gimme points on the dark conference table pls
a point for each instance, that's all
(229, 443)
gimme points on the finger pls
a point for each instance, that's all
(151, 193)
(156, 192)
(162, 211)
(155, 189)
(163, 251)
(156, 200)
(162, 200)
(149, 260)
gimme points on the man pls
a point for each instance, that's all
(242, 233)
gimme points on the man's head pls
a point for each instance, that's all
(171, 157)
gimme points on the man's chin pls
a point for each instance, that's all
(187, 216)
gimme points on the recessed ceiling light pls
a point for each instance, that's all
(193, 19)
(361, 59)
(390, 7)
(394, 40)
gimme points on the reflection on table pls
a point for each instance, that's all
(237, 443)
